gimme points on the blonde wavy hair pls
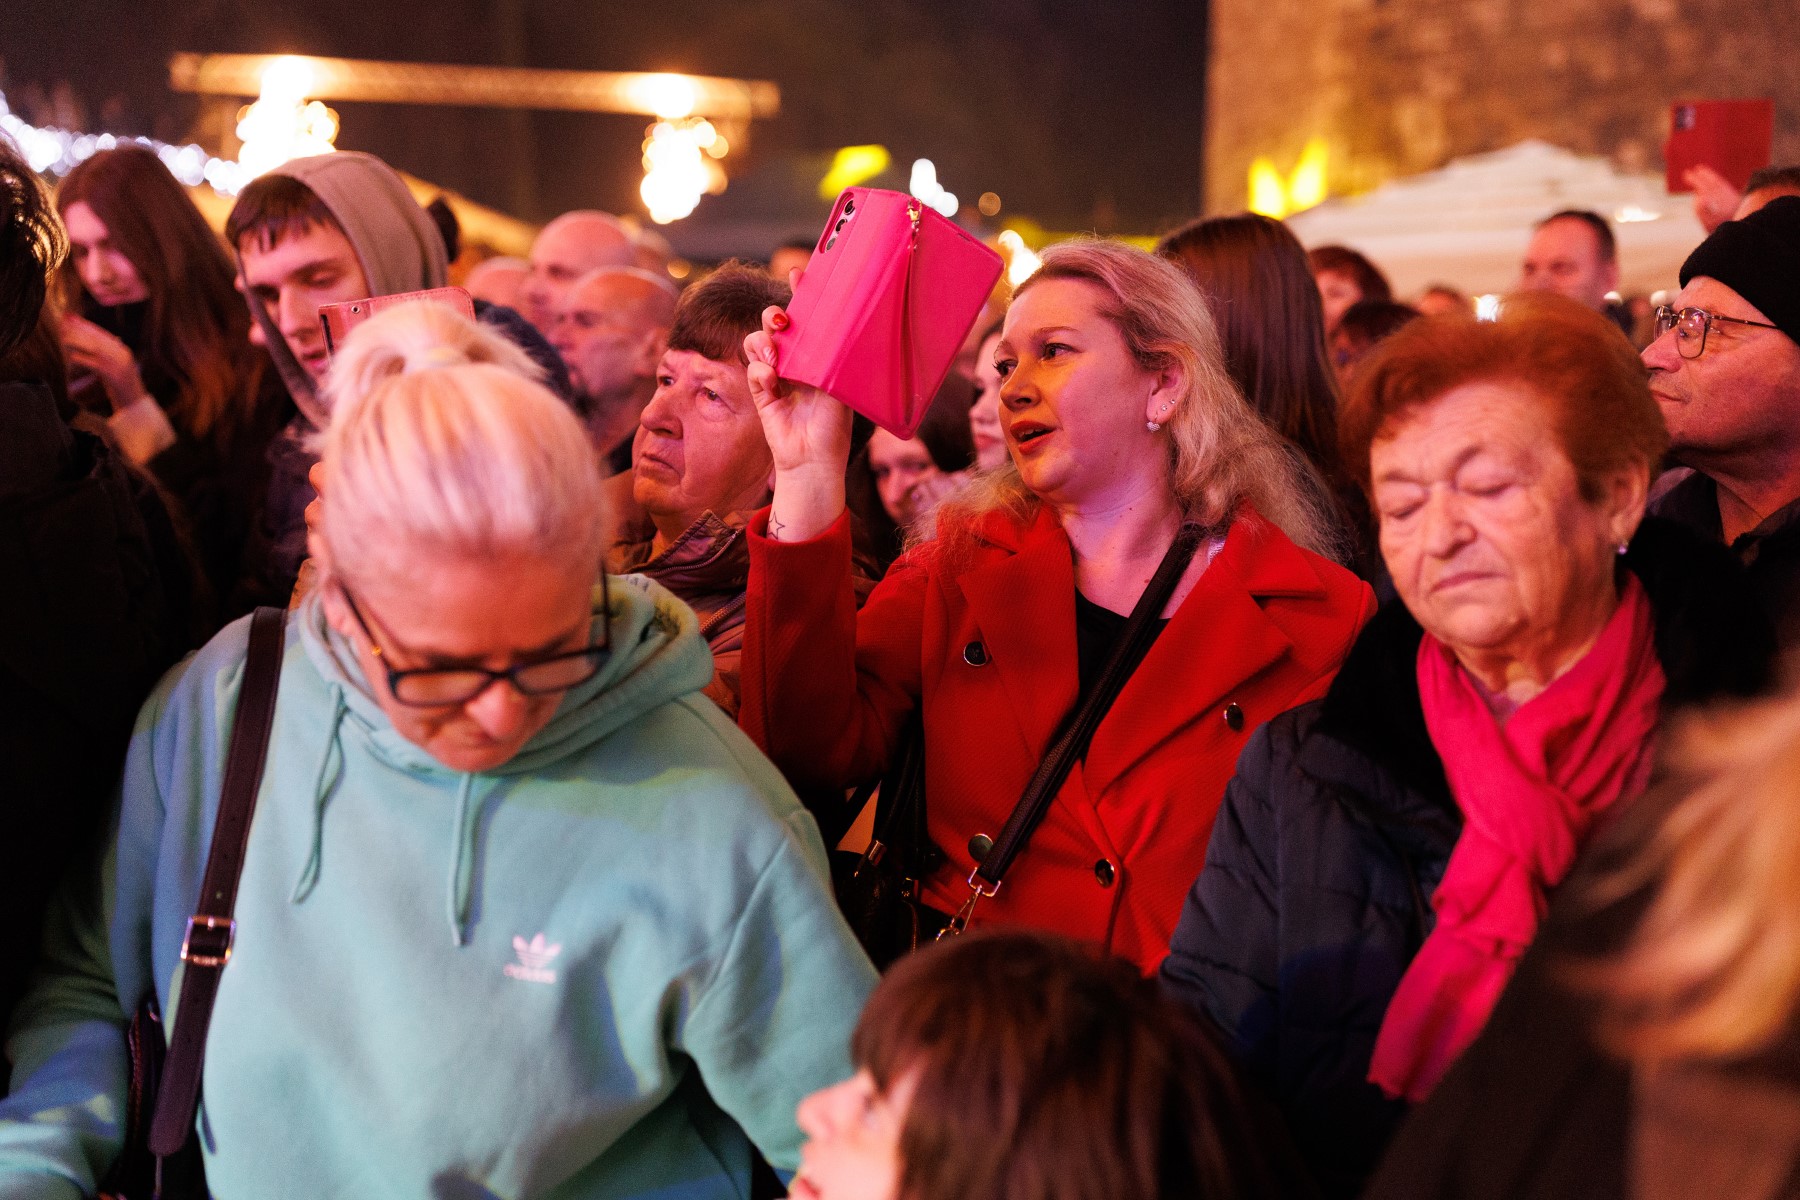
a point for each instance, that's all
(431, 449)
(1712, 969)
(1219, 452)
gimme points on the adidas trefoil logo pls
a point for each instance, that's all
(535, 958)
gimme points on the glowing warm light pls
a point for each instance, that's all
(1306, 186)
(670, 97)
(1273, 196)
(281, 125)
(926, 187)
(56, 151)
(1631, 214)
(1487, 308)
(1268, 195)
(853, 165)
(680, 166)
(1021, 262)
(989, 204)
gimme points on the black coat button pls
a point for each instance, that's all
(1234, 717)
(980, 846)
(975, 654)
(1103, 871)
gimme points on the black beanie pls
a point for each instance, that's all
(1759, 259)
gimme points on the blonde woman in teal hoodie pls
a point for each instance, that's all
(522, 913)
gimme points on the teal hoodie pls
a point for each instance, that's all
(553, 979)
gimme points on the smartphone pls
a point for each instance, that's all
(340, 319)
(1733, 137)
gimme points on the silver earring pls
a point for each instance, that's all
(1153, 426)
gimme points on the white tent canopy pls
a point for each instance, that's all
(1467, 223)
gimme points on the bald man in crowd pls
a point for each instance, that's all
(565, 250)
(498, 280)
(611, 330)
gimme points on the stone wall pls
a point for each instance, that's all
(1401, 86)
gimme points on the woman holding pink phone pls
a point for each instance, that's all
(1132, 457)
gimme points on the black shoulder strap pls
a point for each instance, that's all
(1132, 645)
(210, 931)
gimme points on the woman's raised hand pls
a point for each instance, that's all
(91, 348)
(809, 439)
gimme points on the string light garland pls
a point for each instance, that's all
(52, 151)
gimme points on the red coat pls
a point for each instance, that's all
(825, 694)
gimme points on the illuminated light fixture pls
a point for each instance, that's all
(679, 168)
(989, 204)
(1306, 186)
(926, 187)
(852, 165)
(1273, 196)
(1632, 214)
(1487, 308)
(1021, 263)
(670, 97)
(56, 151)
(1268, 195)
(282, 125)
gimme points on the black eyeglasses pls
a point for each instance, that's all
(442, 687)
(1691, 325)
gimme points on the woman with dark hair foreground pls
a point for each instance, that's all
(1479, 729)
(1124, 430)
(159, 340)
(1650, 1046)
(1015, 1066)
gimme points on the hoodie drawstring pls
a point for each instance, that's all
(462, 863)
(331, 765)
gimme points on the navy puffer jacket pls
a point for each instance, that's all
(1336, 831)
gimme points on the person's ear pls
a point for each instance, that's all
(648, 351)
(1168, 387)
(1625, 494)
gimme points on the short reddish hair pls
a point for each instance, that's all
(1594, 388)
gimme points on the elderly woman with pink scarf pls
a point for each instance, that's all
(1385, 854)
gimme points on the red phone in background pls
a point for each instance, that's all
(1733, 137)
(340, 319)
(884, 304)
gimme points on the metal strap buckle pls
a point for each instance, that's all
(212, 950)
(978, 888)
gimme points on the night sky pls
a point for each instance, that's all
(1082, 114)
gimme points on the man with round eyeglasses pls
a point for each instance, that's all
(1725, 368)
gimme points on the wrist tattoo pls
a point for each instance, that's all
(775, 528)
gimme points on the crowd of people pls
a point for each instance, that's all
(1352, 734)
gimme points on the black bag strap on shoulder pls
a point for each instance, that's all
(211, 931)
(1078, 732)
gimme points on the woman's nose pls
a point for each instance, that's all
(1444, 528)
(499, 709)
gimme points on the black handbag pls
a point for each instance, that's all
(161, 1159)
(878, 890)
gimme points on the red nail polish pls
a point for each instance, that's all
(780, 321)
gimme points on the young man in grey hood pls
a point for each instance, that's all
(318, 231)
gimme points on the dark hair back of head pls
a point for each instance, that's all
(718, 313)
(1369, 280)
(1599, 225)
(31, 246)
(1049, 1071)
(271, 207)
(1260, 285)
(1368, 321)
(1784, 178)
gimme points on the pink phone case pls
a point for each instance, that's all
(884, 304)
(339, 319)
